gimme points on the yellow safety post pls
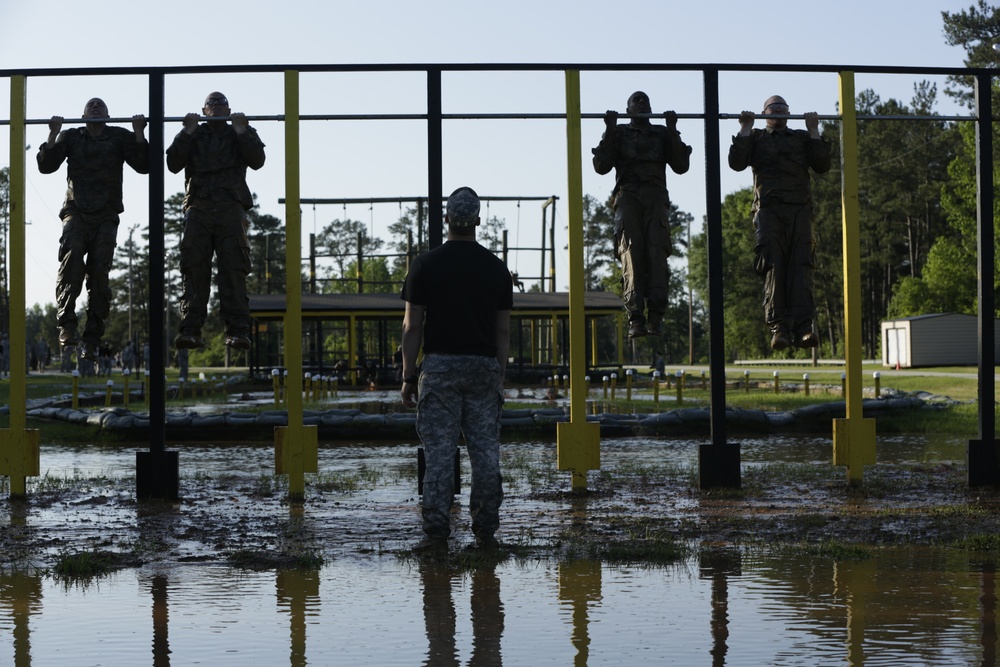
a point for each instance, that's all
(180, 388)
(295, 451)
(746, 381)
(878, 384)
(680, 386)
(805, 382)
(854, 436)
(76, 389)
(656, 387)
(284, 388)
(578, 443)
(307, 390)
(614, 385)
(593, 341)
(843, 385)
(604, 386)
(276, 385)
(107, 393)
(125, 376)
(628, 385)
(777, 382)
(19, 451)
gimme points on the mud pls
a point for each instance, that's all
(366, 505)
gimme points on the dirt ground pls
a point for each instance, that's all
(628, 513)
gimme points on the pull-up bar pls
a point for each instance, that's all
(403, 200)
(495, 116)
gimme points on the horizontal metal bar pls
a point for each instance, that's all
(500, 67)
(405, 200)
(495, 116)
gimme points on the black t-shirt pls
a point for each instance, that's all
(462, 286)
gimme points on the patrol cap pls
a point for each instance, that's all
(463, 207)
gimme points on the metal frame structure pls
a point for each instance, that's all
(578, 445)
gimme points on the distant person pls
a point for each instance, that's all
(182, 362)
(214, 156)
(639, 152)
(458, 301)
(784, 254)
(94, 154)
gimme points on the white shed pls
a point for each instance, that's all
(938, 339)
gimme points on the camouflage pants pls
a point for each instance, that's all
(86, 250)
(784, 256)
(460, 395)
(642, 245)
(218, 229)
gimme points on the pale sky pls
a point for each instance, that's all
(499, 158)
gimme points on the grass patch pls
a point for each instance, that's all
(832, 549)
(89, 564)
(246, 558)
(990, 542)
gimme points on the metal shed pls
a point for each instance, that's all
(936, 339)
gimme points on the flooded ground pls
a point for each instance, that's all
(795, 568)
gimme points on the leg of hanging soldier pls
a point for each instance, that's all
(770, 262)
(100, 257)
(196, 268)
(482, 407)
(802, 259)
(72, 265)
(629, 242)
(656, 220)
(234, 266)
(439, 424)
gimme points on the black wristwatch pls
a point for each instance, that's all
(410, 380)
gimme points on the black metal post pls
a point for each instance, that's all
(156, 471)
(435, 160)
(983, 458)
(719, 462)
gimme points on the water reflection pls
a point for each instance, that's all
(438, 578)
(905, 607)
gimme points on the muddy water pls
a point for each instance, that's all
(912, 607)
(907, 606)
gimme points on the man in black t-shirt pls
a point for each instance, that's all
(458, 301)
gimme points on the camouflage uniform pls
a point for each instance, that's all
(215, 160)
(90, 217)
(639, 154)
(784, 254)
(460, 394)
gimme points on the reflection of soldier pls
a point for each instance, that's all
(639, 152)
(782, 216)
(215, 156)
(95, 154)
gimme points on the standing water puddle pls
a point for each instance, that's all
(378, 606)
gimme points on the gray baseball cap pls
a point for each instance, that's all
(463, 207)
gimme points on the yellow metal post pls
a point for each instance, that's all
(577, 442)
(853, 437)
(19, 458)
(294, 453)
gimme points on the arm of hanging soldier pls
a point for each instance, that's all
(249, 143)
(818, 149)
(741, 151)
(179, 151)
(606, 152)
(137, 150)
(52, 153)
(679, 152)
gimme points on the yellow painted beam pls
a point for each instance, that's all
(853, 438)
(293, 444)
(577, 442)
(19, 450)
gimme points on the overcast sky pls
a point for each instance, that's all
(388, 158)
